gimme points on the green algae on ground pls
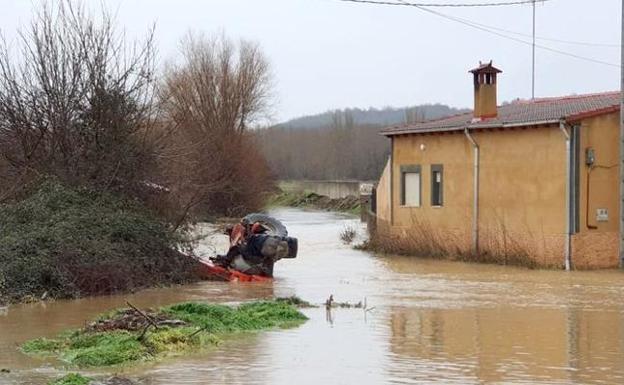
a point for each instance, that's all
(71, 379)
(203, 326)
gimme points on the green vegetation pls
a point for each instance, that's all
(247, 317)
(71, 379)
(71, 242)
(307, 199)
(197, 326)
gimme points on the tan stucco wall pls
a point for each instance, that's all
(383, 195)
(452, 221)
(598, 248)
(522, 190)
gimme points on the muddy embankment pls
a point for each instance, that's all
(306, 199)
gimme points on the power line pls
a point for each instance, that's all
(563, 41)
(487, 29)
(449, 5)
(565, 53)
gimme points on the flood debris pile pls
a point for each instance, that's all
(132, 320)
(132, 335)
(307, 199)
(331, 303)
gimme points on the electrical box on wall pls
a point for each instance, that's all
(602, 215)
(590, 156)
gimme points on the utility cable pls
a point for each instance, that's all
(584, 43)
(484, 28)
(448, 5)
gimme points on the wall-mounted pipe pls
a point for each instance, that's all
(475, 204)
(568, 189)
(391, 192)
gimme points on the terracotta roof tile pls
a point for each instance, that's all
(521, 113)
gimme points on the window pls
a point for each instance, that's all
(436, 185)
(410, 186)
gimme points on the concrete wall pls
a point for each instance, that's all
(331, 188)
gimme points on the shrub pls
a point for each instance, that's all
(72, 242)
(348, 234)
(218, 90)
(77, 103)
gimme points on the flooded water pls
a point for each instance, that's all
(432, 322)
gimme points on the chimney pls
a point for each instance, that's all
(485, 91)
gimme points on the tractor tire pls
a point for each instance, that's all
(275, 227)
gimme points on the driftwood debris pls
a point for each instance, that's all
(330, 303)
(148, 318)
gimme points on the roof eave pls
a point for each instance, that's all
(471, 127)
(423, 131)
(590, 114)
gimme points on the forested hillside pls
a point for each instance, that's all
(340, 144)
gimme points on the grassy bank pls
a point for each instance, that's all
(126, 336)
(307, 199)
(61, 242)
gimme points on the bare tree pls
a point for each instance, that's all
(209, 101)
(76, 102)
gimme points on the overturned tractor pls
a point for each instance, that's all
(256, 243)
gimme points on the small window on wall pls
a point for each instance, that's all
(410, 186)
(437, 179)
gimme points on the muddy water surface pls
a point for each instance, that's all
(432, 322)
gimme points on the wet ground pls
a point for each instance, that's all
(432, 322)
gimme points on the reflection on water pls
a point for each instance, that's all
(433, 322)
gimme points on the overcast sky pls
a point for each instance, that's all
(328, 54)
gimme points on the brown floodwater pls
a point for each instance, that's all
(432, 322)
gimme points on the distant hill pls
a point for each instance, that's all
(338, 144)
(372, 116)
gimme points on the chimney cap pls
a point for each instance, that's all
(485, 68)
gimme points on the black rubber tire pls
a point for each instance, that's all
(275, 227)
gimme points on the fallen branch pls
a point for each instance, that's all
(148, 318)
(196, 332)
(140, 338)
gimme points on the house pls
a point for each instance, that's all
(538, 177)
